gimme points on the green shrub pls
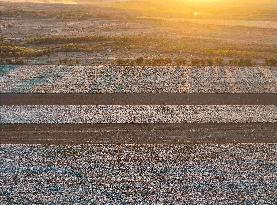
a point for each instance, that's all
(210, 62)
(139, 61)
(180, 61)
(270, 62)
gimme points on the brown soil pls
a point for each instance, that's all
(138, 133)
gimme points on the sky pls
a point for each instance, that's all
(189, 1)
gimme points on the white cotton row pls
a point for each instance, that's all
(138, 114)
(139, 174)
(135, 79)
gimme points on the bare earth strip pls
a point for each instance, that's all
(218, 133)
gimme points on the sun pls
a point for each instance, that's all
(204, 1)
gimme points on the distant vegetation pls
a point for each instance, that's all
(155, 43)
(12, 61)
(271, 62)
(44, 40)
(47, 45)
(183, 62)
(66, 13)
(7, 51)
(67, 61)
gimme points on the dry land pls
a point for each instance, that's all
(120, 32)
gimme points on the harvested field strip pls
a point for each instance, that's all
(194, 133)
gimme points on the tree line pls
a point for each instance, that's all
(191, 62)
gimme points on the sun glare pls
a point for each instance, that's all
(203, 1)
